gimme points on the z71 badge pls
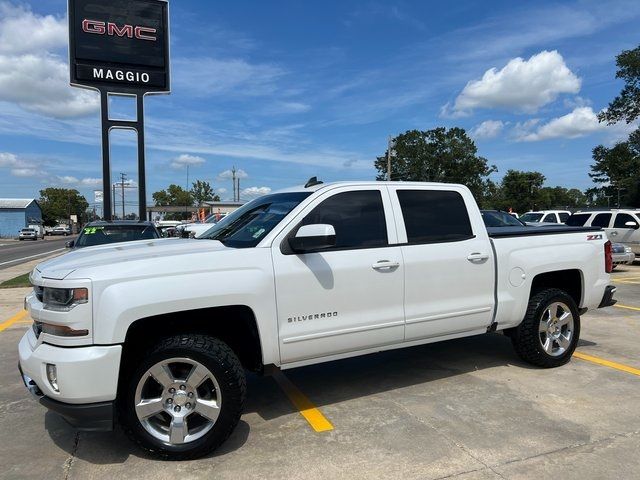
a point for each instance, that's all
(594, 237)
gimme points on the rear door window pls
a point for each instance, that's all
(622, 219)
(550, 218)
(578, 219)
(434, 216)
(564, 217)
(601, 220)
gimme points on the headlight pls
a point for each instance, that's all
(627, 249)
(63, 299)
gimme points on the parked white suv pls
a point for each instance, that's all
(621, 225)
(545, 216)
(157, 333)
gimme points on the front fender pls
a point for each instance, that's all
(122, 303)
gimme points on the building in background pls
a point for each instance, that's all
(18, 213)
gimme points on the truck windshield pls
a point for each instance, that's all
(245, 227)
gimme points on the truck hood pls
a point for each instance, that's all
(61, 267)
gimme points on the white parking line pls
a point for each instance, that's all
(31, 256)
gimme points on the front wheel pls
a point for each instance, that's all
(549, 333)
(185, 398)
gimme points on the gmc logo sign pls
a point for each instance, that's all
(97, 27)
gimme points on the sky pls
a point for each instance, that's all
(287, 90)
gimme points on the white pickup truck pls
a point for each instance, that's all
(156, 334)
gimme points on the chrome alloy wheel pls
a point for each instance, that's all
(178, 400)
(556, 329)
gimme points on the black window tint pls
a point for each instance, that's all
(623, 218)
(357, 217)
(578, 219)
(550, 218)
(434, 216)
(564, 217)
(601, 220)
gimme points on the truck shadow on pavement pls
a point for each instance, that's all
(324, 384)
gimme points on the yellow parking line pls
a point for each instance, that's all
(626, 282)
(16, 318)
(307, 409)
(607, 363)
(617, 305)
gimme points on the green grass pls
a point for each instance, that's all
(17, 282)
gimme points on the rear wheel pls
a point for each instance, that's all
(549, 333)
(185, 398)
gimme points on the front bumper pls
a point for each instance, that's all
(84, 374)
(607, 298)
(89, 417)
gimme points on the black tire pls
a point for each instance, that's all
(526, 337)
(227, 369)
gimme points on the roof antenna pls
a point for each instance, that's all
(313, 181)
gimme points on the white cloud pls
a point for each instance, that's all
(212, 76)
(40, 83)
(228, 174)
(33, 77)
(25, 172)
(67, 180)
(487, 129)
(22, 31)
(521, 85)
(581, 121)
(184, 160)
(91, 182)
(254, 192)
(221, 191)
(19, 167)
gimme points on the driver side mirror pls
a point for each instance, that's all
(69, 244)
(633, 225)
(310, 238)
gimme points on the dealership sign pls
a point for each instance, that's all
(119, 45)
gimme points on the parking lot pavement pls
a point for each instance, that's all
(465, 409)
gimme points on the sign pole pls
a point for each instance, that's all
(142, 189)
(106, 161)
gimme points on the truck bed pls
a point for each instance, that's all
(499, 232)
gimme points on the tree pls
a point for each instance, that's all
(201, 192)
(625, 106)
(174, 196)
(60, 203)
(616, 170)
(519, 191)
(438, 155)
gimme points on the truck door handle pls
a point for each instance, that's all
(385, 265)
(614, 233)
(477, 256)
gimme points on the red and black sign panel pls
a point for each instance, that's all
(120, 45)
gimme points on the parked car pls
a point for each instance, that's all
(622, 255)
(299, 277)
(28, 234)
(196, 230)
(61, 230)
(39, 230)
(622, 225)
(498, 218)
(48, 230)
(101, 233)
(545, 216)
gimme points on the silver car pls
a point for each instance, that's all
(28, 234)
(622, 255)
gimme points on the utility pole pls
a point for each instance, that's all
(389, 141)
(123, 177)
(233, 179)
